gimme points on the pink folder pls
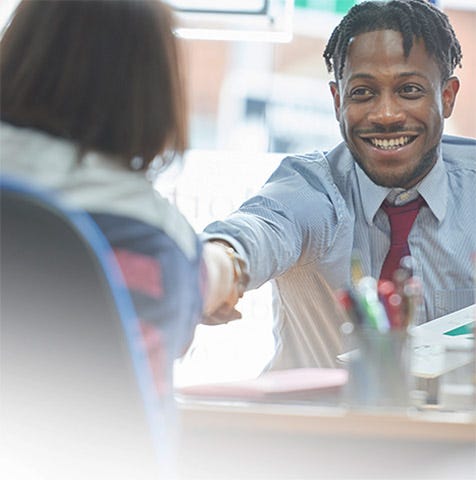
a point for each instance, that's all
(278, 383)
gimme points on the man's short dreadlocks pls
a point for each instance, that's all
(412, 18)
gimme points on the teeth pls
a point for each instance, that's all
(389, 144)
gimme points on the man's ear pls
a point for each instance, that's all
(448, 95)
(336, 96)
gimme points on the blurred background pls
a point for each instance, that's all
(273, 96)
(256, 76)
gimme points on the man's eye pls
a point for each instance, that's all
(411, 91)
(361, 93)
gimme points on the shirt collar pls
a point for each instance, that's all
(433, 188)
(372, 195)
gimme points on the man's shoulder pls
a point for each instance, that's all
(323, 158)
(456, 140)
(300, 165)
(315, 156)
(459, 151)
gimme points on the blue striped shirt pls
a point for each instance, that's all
(301, 229)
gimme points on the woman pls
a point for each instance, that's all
(92, 94)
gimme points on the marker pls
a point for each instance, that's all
(351, 304)
(375, 312)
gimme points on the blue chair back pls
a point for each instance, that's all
(78, 399)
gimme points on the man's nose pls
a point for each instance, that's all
(386, 111)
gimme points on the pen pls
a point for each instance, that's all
(412, 295)
(375, 312)
(349, 300)
(391, 301)
(408, 264)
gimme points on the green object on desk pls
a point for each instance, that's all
(462, 330)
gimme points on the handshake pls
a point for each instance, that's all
(227, 281)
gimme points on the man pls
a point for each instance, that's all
(393, 64)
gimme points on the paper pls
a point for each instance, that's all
(451, 330)
(274, 383)
(443, 344)
(438, 346)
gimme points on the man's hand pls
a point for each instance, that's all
(226, 283)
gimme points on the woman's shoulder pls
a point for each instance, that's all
(94, 182)
(130, 195)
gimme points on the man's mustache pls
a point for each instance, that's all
(407, 130)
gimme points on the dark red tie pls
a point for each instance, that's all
(401, 219)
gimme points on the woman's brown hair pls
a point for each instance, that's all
(103, 74)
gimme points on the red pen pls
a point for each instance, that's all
(392, 303)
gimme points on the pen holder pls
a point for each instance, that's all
(379, 369)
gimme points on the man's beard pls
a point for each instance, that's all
(421, 169)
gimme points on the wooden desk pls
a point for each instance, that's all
(241, 441)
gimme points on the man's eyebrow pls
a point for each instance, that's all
(412, 74)
(364, 76)
(368, 76)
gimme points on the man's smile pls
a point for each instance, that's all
(392, 143)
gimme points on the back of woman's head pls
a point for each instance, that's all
(103, 74)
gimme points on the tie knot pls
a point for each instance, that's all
(405, 209)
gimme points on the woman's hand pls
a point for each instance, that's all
(226, 283)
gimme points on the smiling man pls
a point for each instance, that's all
(390, 107)
(393, 87)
